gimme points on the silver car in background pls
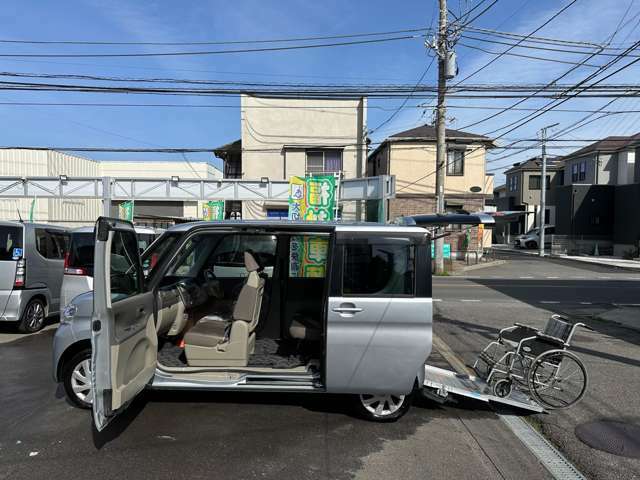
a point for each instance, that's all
(31, 270)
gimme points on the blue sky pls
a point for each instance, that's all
(393, 62)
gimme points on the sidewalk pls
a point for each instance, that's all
(604, 260)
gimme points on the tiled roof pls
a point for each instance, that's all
(428, 132)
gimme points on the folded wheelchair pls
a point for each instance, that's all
(536, 361)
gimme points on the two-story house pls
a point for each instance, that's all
(411, 157)
(523, 190)
(284, 137)
(601, 187)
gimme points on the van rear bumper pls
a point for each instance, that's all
(12, 301)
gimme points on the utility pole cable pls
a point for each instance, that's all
(441, 142)
(543, 187)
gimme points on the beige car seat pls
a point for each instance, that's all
(215, 341)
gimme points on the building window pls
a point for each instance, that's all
(278, 213)
(324, 161)
(583, 171)
(534, 182)
(455, 162)
(574, 172)
(560, 177)
(513, 183)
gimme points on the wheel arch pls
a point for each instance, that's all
(38, 296)
(69, 353)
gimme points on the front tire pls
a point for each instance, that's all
(532, 244)
(382, 407)
(33, 317)
(76, 377)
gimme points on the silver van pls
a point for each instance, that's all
(78, 263)
(252, 306)
(31, 269)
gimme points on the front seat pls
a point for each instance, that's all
(219, 343)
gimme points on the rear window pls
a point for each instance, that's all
(11, 243)
(81, 251)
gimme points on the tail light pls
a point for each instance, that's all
(70, 269)
(20, 272)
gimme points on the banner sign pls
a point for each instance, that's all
(312, 198)
(125, 211)
(308, 256)
(213, 210)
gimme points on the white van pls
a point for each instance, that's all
(78, 262)
(531, 239)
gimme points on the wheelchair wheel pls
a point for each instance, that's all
(557, 379)
(502, 388)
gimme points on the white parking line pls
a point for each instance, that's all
(604, 278)
(526, 277)
(553, 278)
(549, 301)
(626, 304)
(468, 300)
(586, 303)
(437, 299)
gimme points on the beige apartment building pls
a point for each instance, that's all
(285, 137)
(77, 211)
(411, 157)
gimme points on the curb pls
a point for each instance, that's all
(482, 265)
(580, 262)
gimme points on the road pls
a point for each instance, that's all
(470, 310)
(169, 435)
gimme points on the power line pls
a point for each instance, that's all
(207, 52)
(214, 42)
(553, 17)
(531, 57)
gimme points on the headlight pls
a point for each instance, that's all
(68, 313)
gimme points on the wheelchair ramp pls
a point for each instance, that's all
(445, 382)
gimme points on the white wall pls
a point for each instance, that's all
(626, 167)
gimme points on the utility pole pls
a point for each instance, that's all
(441, 141)
(543, 186)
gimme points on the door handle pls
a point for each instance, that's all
(347, 309)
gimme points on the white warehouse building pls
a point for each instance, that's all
(78, 212)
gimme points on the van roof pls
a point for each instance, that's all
(14, 223)
(297, 225)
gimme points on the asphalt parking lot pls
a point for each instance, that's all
(196, 435)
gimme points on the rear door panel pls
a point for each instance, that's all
(124, 340)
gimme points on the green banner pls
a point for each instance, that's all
(308, 256)
(213, 210)
(312, 198)
(125, 211)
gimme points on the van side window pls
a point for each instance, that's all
(51, 244)
(378, 269)
(125, 268)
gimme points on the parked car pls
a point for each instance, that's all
(531, 239)
(253, 306)
(78, 263)
(31, 269)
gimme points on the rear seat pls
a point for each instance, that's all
(304, 327)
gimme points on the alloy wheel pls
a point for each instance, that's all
(382, 405)
(81, 381)
(35, 316)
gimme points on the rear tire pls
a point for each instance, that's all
(33, 317)
(76, 378)
(531, 244)
(382, 408)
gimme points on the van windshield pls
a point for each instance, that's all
(10, 243)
